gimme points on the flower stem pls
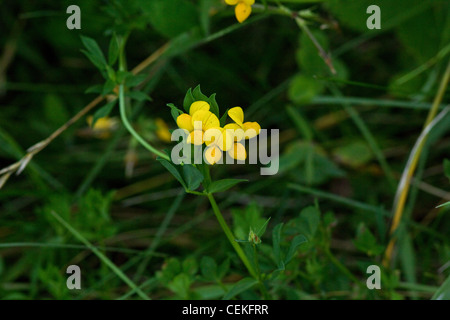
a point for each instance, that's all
(301, 23)
(262, 287)
(123, 115)
(230, 236)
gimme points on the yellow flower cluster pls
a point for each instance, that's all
(203, 126)
(242, 8)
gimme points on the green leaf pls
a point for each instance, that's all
(224, 184)
(262, 230)
(170, 17)
(208, 268)
(180, 285)
(95, 61)
(223, 268)
(366, 242)
(444, 204)
(190, 266)
(108, 87)
(308, 221)
(307, 55)
(173, 170)
(113, 52)
(138, 95)
(303, 89)
(204, 169)
(295, 243)
(171, 268)
(188, 100)
(214, 106)
(123, 76)
(103, 111)
(443, 293)
(111, 73)
(198, 95)
(241, 286)
(94, 53)
(97, 88)
(135, 80)
(174, 111)
(245, 219)
(354, 154)
(276, 243)
(192, 176)
(447, 168)
(223, 120)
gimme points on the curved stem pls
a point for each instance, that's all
(131, 129)
(230, 236)
(123, 115)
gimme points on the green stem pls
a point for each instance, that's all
(362, 127)
(262, 287)
(230, 236)
(101, 256)
(123, 115)
(285, 11)
(341, 267)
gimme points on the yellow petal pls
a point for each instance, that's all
(249, 2)
(231, 2)
(164, 135)
(225, 141)
(198, 105)
(237, 115)
(242, 11)
(105, 123)
(238, 152)
(212, 135)
(184, 121)
(89, 120)
(161, 124)
(213, 154)
(252, 129)
(234, 131)
(162, 130)
(204, 119)
(218, 137)
(195, 137)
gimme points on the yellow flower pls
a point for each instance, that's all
(217, 140)
(243, 8)
(162, 130)
(184, 121)
(238, 151)
(213, 154)
(240, 130)
(197, 121)
(250, 129)
(103, 126)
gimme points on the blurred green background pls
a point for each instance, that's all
(344, 142)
